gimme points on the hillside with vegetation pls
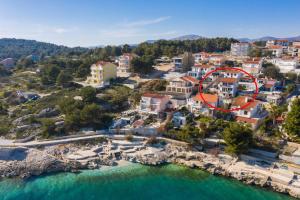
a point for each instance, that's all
(18, 48)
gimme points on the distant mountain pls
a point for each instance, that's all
(188, 37)
(180, 38)
(19, 48)
(291, 39)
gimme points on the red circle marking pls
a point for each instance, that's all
(233, 69)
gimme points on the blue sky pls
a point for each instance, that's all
(95, 22)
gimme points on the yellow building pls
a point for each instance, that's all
(101, 74)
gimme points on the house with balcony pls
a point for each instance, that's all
(284, 43)
(198, 106)
(216, 59)
(227, 87)
(124, 65)
(199, 70)
(201, 56)
(232, 74)
(153, 103)
(276, 50)
(184, 62)
(252, 65)
(182, 86)
(253, 114)
(240, 49)
(101, 74)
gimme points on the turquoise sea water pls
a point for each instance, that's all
(132, 182)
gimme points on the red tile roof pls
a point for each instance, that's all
(154, 95)
(211, 98)
(251, 62)
(268, 85)
(189, 79)
(203, 66)
(275, 47)
(231, 71)
(228, 80)
(101, 62)
(246, 120)
(243, 100)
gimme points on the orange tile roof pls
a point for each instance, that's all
(101, 62)
(231, 71)
(211, 98)
(190, 79)
(275, 47)
(154, 95)
(252, 62)
(242, 100)
(268, 85)
(246, 120)
(228, 80)
(203, 66)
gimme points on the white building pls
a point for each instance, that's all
(197, 105)
(232, 74)
(252, 114)
(124, 67)
(252, 66)
(286, 64)
(227, 87)
(153, 103)
(240, 49)
(276, 50)
(184, 62)
(182, 85)
(198, 70)
(284, 43)
(294, 50)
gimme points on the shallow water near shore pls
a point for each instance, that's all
(133, 181)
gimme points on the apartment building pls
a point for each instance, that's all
(153, 103)
(196, 104)
(284, 43)
(276, 50)
(240, 49)
(101, 74)
(199, 70)
(183, 85)
(184, 62)
(286, 64)
(124, 65)
(253, 114)
(227, 87)
(252, 65)
(294, 50)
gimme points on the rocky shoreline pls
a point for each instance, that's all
(27, 162)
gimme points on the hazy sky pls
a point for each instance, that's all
(95, 22)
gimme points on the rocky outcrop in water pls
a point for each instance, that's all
(34, 163)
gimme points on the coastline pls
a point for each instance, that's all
(72, 158)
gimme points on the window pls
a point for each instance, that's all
(245, 112)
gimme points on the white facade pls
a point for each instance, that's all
(240, 49)
(153, 103)
(276, 50)
(124, 67)
(198, 71)
(227, 87)
(252, 66)
(286, 65)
